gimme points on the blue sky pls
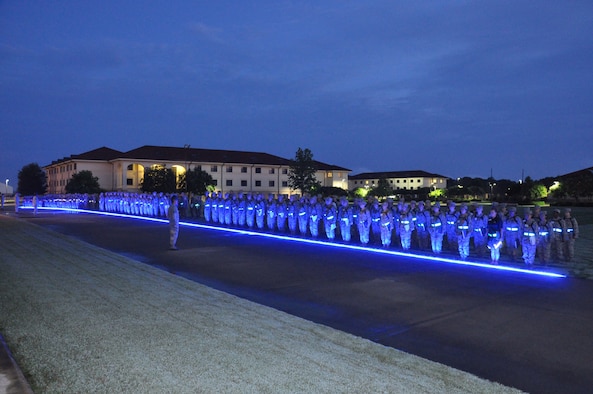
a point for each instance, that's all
(452, 87)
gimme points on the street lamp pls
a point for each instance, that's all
(492, 190)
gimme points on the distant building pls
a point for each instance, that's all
(398, 180)
(231, 170)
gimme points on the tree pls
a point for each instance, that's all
(83, 182)
(301, 175)
(382, 190)
(159, 180)
(195, 181)
(32, 180)
(538, 192)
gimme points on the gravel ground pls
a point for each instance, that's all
(78, 318)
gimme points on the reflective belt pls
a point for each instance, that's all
(405, 222)
(435, 225)
(569, 230)
(463, 227)
(493, 235)
(527, 234)
(557, 230)
(450, 222)
(512, 229)
(543, 233)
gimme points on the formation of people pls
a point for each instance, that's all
(422, 226)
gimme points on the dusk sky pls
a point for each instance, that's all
(452, 87)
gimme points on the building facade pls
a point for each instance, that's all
(398, 180)
(232, 171)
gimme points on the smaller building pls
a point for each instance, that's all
(398, 180)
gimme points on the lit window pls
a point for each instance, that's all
(330, 174)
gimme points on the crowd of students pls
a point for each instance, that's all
(422, 226)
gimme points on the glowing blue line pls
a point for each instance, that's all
(316, 242)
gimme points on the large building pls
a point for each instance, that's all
(231, 170)
(398, 180)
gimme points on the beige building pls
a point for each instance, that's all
(231, 170)
(398, 180)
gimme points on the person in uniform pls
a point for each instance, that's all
(329, 218)
(495, 232)
(346, 219)
(436, 228)
(173, 216)
(292, 214)
(260, 211)
(451, 226)
(227, 208)
(406, 227)
(250, 211)
(214, 207)
(479, 223)
(386, 223)
(271, 212)
(557, 235)
(303, 215)
(315, 213)
(242, 206)
(464, 232)
(375, 211)
(364, 222)
(530, 232)
(281, 213)
(421, 226)
(571, 232)
(512, 233)
(543, 250)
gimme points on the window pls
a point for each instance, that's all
(229, 169)
(258, 170)
(131, 167)
(391, 181)
(397, 181)
(405, 180)
(215, 182)
(272, 170)
(229, 182)
(330, 174)
(213, 168)
(198, 168)
(284, 171)
(244, 170)
(75, 166)
(129, 182)
(418, 181)
(271, 184)
(284, 183)
(243, 183)
(257, 183)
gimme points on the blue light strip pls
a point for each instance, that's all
(317, 242)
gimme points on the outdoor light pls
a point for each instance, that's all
(321, 243)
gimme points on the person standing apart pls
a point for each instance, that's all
(173, 216)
